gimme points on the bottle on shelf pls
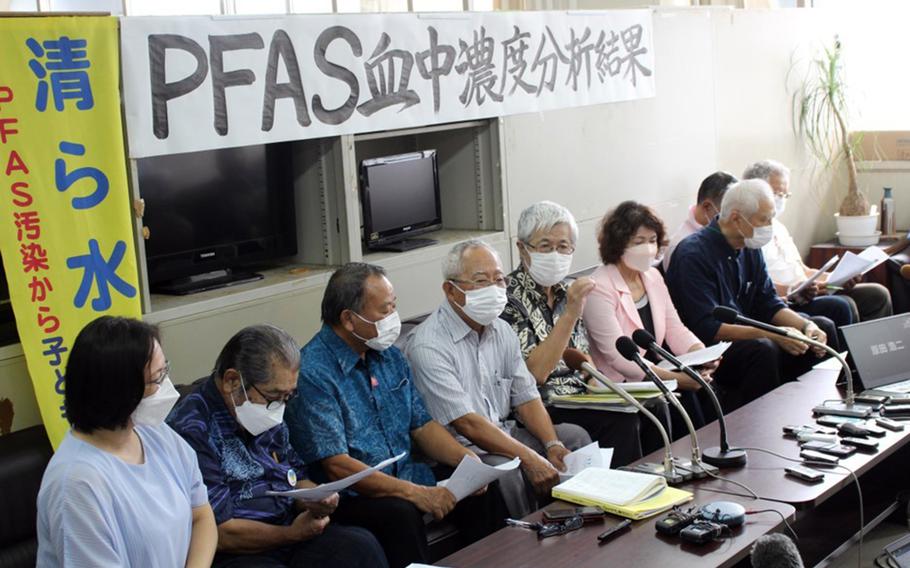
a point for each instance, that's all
(887, 213)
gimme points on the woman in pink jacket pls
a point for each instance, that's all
(630, 294)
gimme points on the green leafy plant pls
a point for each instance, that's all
(820, 111)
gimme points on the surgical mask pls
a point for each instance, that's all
(257, 418)
(153, 409)
(387, 330)
(760, 236)
(549, 268)
(640, 257)
(484, 304)
(780, 203)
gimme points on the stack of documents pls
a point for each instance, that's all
(853, 265)
(603, 398)
(624, 493)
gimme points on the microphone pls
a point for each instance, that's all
(629, 350)
(721, 456)
(575, 360)
(727, 315)
(775, 551)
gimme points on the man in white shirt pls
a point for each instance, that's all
(785, 265)
(707, 206)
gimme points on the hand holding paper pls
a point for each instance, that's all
(591, 455)
(472, 474)
(327, 489)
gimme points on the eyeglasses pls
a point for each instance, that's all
(548, 247)
(162, 374)
(784, 195)
(274, 403)
(501, 281)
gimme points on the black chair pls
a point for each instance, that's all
(900, 288)
(23, 458)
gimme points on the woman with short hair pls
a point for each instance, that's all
(123, 489)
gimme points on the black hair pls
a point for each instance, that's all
(714, 186)
(105, 372)
(620, 225)
(345, 290)
(254, 350)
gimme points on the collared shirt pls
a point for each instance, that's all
(688, 227)
(708, 272)
(533, 320)
(238, 468)
(363, 407)
(785, 265)
(459, 372)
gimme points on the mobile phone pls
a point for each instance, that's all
(840, 409)
(822, 459)
(896, 410)
(804, 473)
(791, 430)
(892, 425)
(862, 444)
(836, 421)
(829, 448)
(561, 514)
(872, 399)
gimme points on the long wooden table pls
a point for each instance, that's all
(757, 425)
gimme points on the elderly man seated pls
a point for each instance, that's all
(858, 301)
(234, 423)
(722, 265)
(358, 406)
(468, 366)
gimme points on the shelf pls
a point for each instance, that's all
(277, 281)
(447, 239)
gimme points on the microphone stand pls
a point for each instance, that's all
(668, 468)
(721, 456)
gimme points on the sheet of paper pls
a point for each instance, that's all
(811, 280)
(581, 459)
(700, 357)
(320, 492)
(633, 387)
(472, 474)
(853, 265)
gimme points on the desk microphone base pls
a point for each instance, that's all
(698, 470)
(674, 477)
(719, 458)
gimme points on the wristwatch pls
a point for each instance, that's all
(553, 443)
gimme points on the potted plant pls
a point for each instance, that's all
(820, 117)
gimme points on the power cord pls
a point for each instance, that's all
(782, 517)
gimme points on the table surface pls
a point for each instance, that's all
(759, 425)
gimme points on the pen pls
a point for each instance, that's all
(605, 536)
(522, 524)
(838, 288)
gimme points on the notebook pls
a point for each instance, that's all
(624, 493)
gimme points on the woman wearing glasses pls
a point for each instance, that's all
(123, 489)
(545, 310)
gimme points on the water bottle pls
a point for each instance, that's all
(887, 213)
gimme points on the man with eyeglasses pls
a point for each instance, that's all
(545, 311)
(234, 422)
(858, 301)
(707, 207)
(468, 366)
(358, 407)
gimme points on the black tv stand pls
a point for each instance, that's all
(205, 281)
(403, 245)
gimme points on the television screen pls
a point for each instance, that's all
(400, 196)
(217, 209)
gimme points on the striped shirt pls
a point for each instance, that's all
(459, 372)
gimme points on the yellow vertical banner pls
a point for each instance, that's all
(65, 227)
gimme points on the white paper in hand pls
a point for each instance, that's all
(700, 357)
(320, 492)
(472, 474)
(581, 459)
(853, 265)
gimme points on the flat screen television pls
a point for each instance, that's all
(212, 213)
(400, 199)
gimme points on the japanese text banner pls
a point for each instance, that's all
(65, 225)
(196, 83)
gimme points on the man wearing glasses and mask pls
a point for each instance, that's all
(234, 422)
(468, 365)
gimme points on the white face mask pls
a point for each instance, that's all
(780, 203)
(153, 409)
(760, 236)
(387, 330)
(640, 257)
(485, 304)
(257, 418)
(549, 268)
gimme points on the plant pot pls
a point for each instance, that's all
(856, 226)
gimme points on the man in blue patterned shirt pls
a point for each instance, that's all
(234, 423)
(358, 406)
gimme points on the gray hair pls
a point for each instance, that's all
(543, 216)
(254, 350)
(746, 197)
(765, 169)
(345, 290)
(453, 263)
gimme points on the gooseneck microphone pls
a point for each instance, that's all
(727, 315)
(629, 350)
(575, 360)
(721, 456)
